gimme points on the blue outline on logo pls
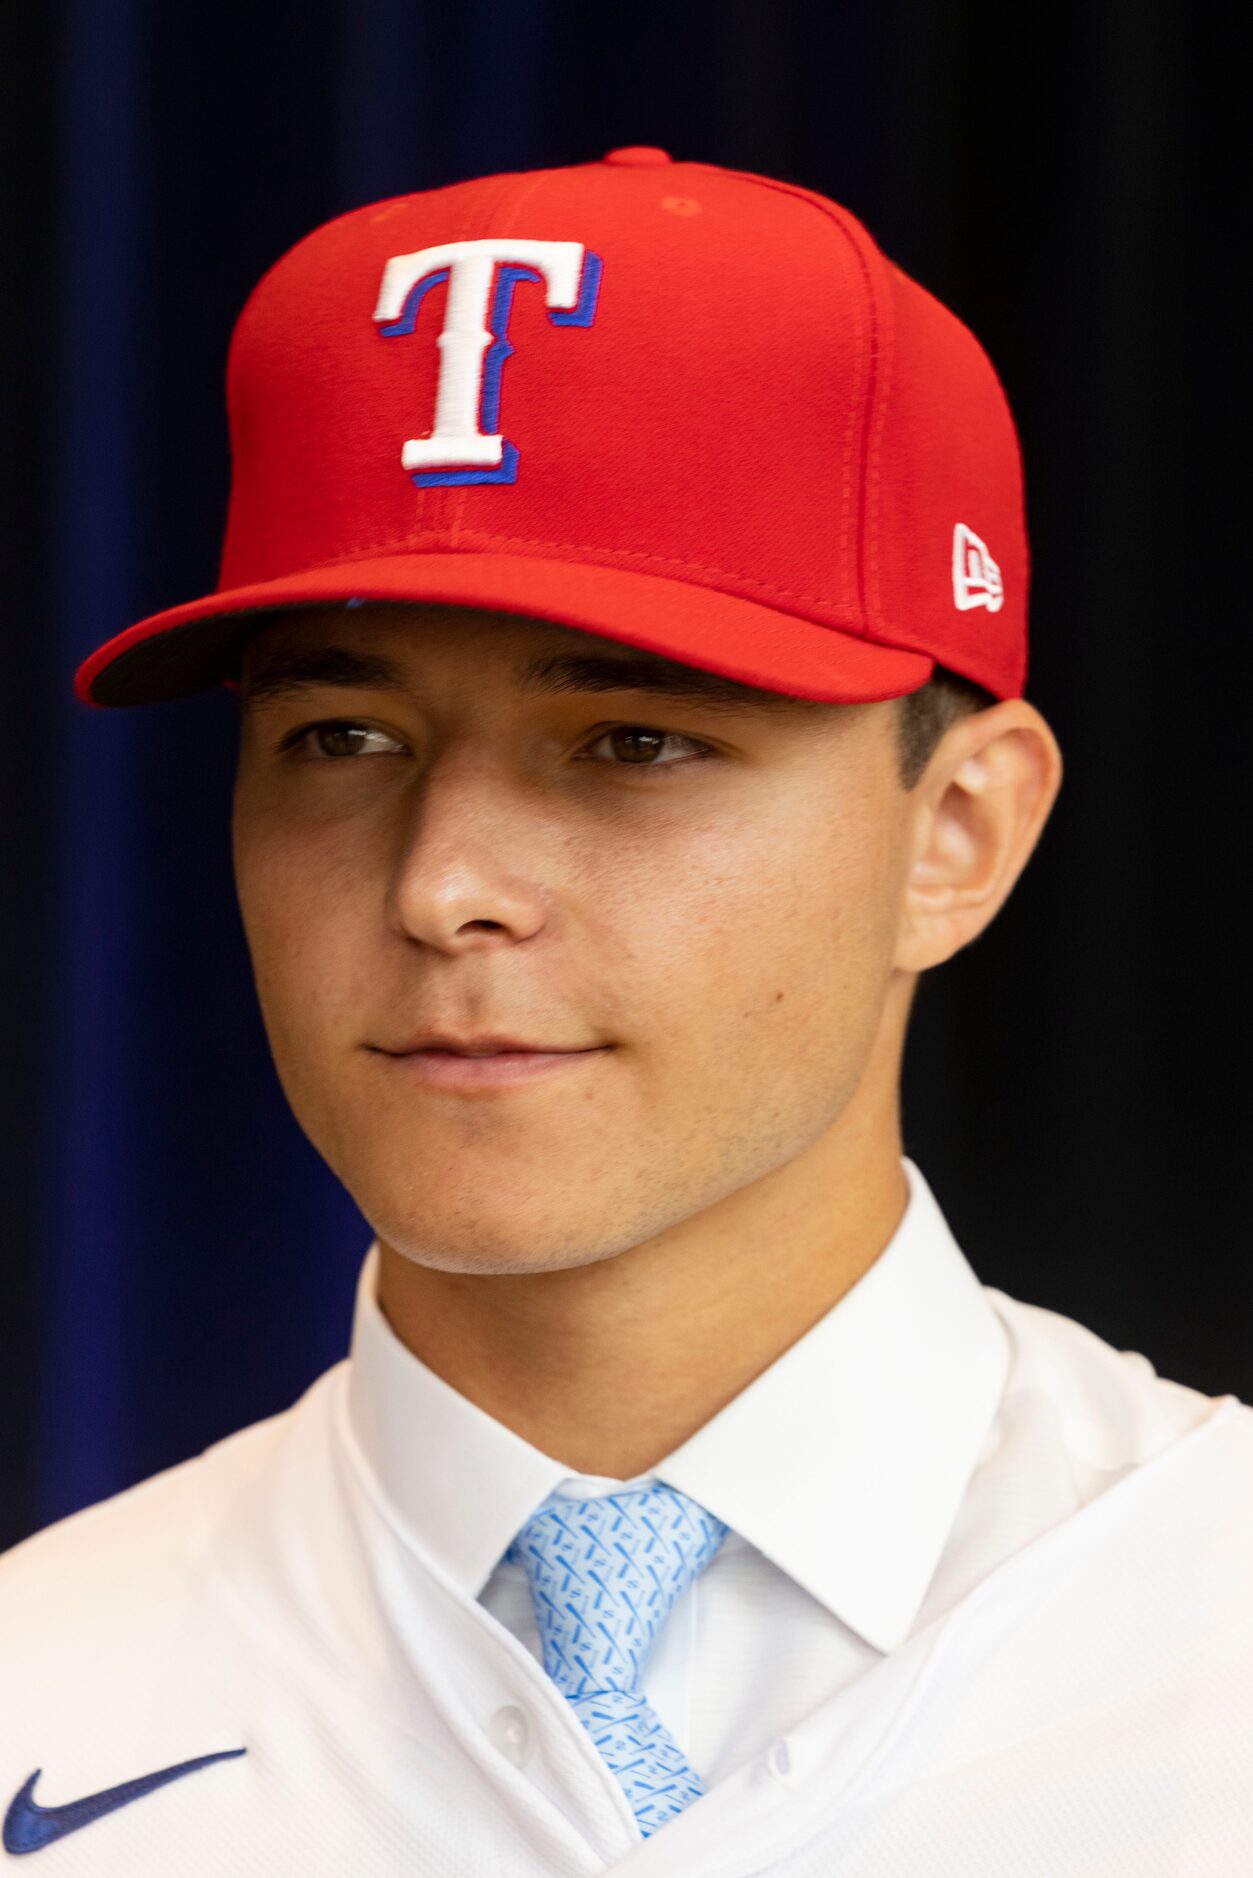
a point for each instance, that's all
(413, 299)
(581, 314)
(584, 312)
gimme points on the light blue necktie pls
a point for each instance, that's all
(604, 1575)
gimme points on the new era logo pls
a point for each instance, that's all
(976, 577)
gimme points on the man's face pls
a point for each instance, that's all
(456, 850)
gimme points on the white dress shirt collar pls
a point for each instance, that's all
(844, 1462)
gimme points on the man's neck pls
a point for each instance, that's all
(611, 1365)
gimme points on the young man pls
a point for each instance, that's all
(625, 586)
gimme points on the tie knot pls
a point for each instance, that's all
(605, 1573)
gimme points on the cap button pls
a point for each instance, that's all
(639, 156)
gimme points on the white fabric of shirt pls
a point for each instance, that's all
(983, 1609)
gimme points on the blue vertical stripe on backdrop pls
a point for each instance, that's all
(502, 119)
(382, 114)
(89, 1176)
(432, 95)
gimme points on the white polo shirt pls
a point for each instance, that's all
(985, 1608)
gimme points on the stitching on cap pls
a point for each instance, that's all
(874, 353)
(845, 498)
(456, 507)
(872, 385)
(412, 544)
(886, 355)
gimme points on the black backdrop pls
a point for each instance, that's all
(176, 1262)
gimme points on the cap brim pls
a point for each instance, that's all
(195, 646)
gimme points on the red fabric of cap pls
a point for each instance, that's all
(683, 407)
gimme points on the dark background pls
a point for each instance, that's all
(175, 1260)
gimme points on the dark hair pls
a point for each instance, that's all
(926, 714)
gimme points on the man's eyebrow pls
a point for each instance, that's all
(304, 669)
(664, 678)
(545, 674)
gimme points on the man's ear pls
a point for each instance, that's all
(976, 812)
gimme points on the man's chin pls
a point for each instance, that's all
(485, 1257)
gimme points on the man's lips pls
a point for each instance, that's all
(457, 1069)
(484, 1044)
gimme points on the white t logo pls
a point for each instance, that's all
(464, 446)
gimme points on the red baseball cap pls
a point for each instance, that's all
(684, 407)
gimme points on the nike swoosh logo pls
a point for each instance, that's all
(28, 1827)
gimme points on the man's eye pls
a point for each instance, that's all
(325, 742)
(638, 745)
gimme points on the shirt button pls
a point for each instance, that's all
(510, 1731)
(780, 1765)
(639, 156)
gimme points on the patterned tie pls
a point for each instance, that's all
(604, 1575)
